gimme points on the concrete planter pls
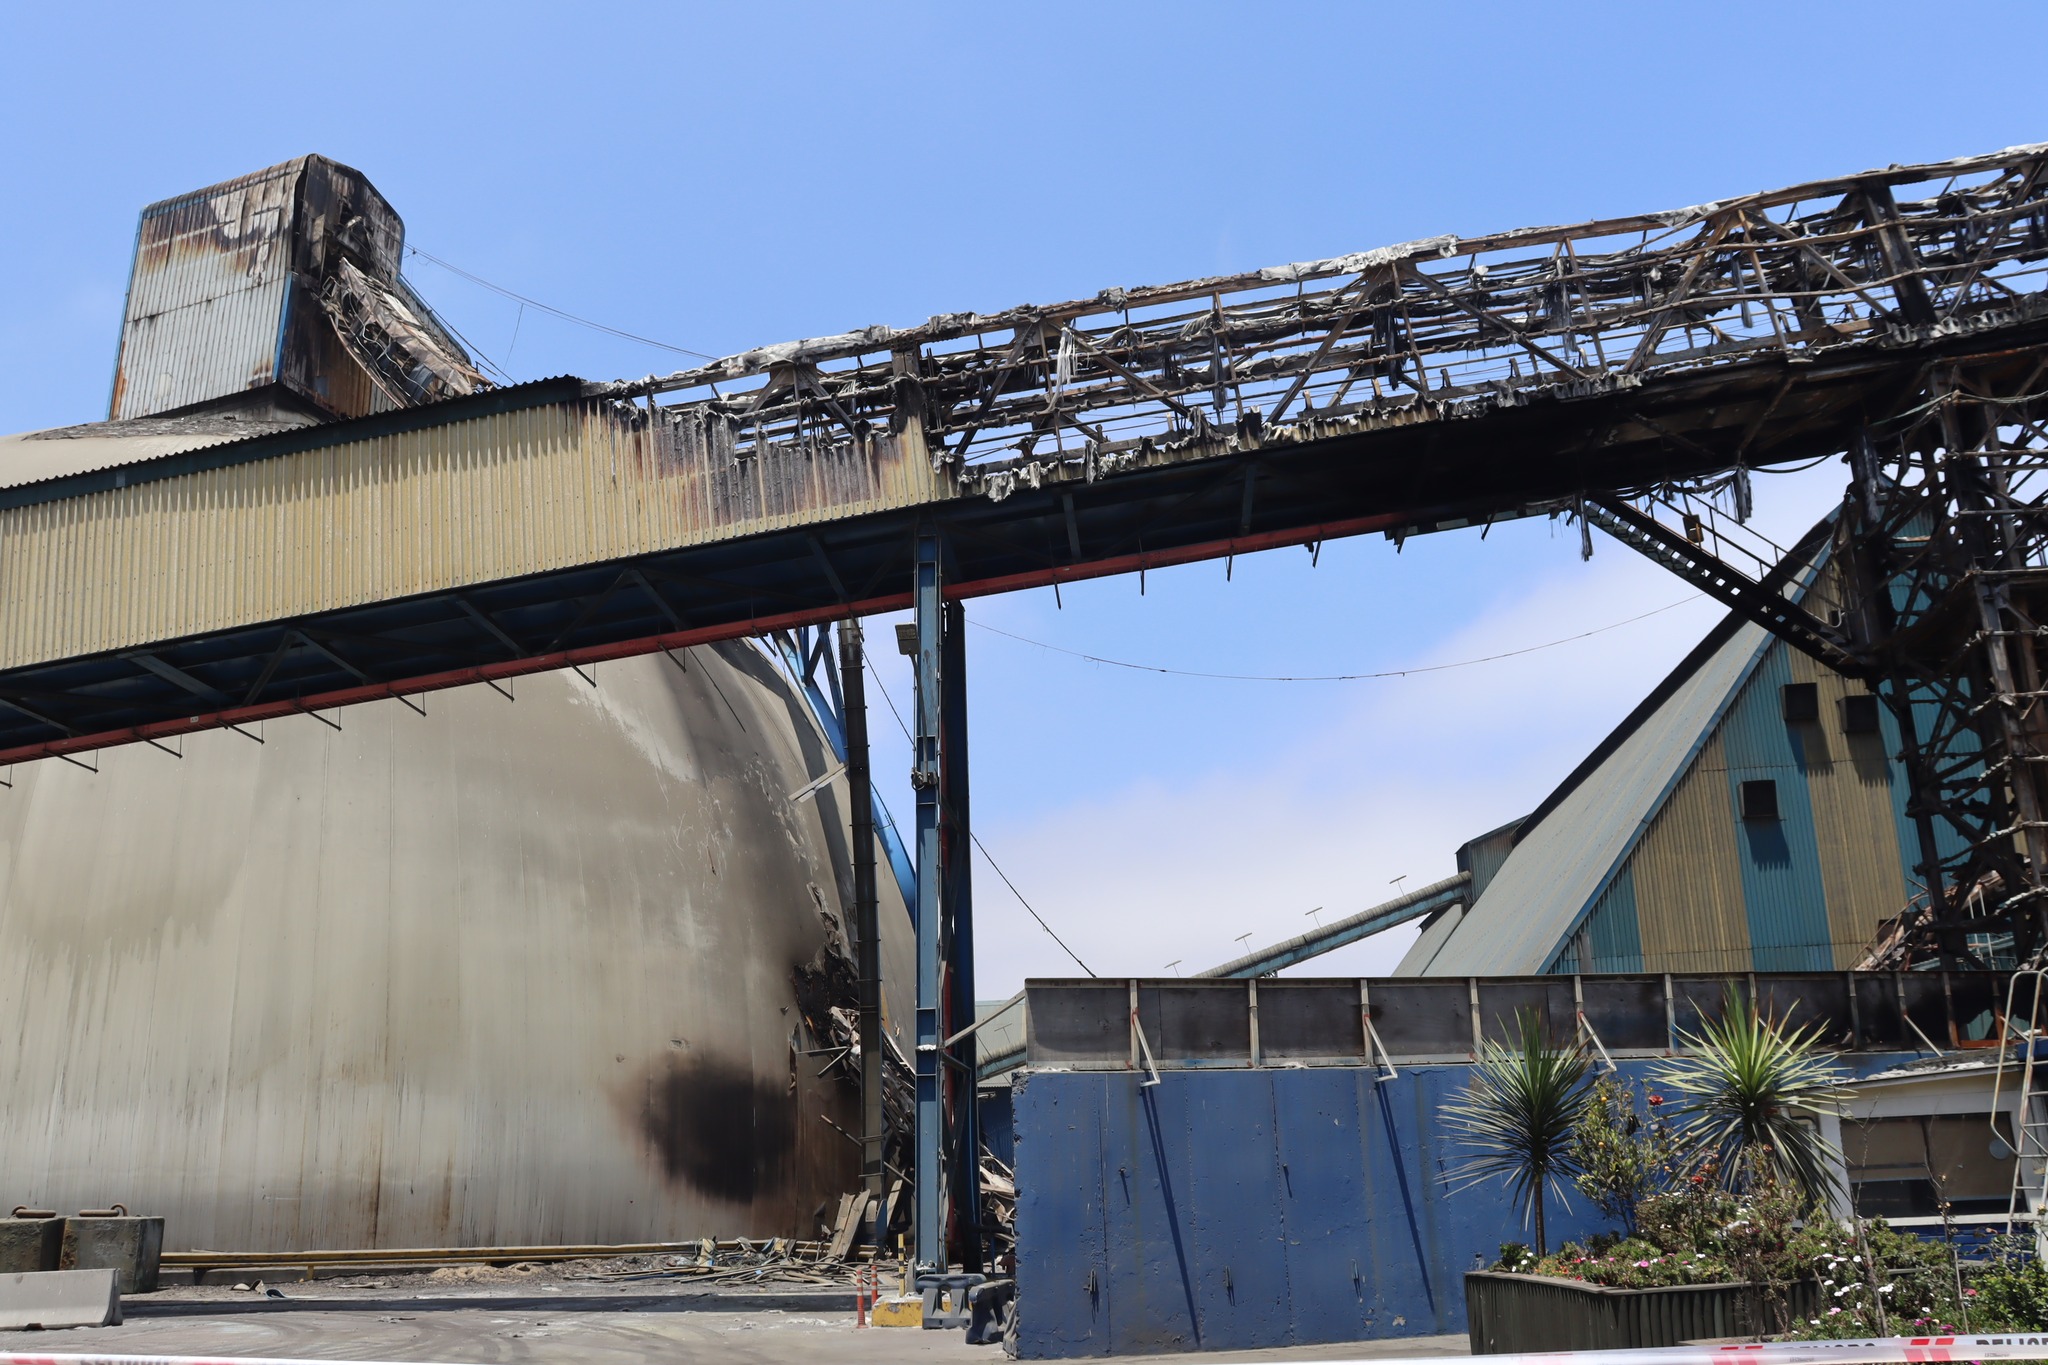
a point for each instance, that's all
(1520, 1313)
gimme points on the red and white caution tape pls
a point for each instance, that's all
(1869, 1351)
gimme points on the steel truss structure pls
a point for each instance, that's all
(1937, 595)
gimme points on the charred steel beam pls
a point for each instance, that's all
(1761, 600)
(867, 928)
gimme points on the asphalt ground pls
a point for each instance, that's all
(545, 1320)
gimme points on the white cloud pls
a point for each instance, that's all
(1376, 780)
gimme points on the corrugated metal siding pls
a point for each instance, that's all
(1781, 882)
(207, 297)
(1850, 779)
(1689, 901)
(1612, 933)
(448, 506)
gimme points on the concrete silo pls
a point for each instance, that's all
(482, 969)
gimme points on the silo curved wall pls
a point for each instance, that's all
(507, 973)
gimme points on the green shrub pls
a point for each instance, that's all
(1622, 1156)
(2010, 1294)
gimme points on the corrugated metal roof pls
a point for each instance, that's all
(1564, 862)
(35, 456)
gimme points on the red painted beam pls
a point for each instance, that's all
(680, 639)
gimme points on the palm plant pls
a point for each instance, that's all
(1516, 1116)
(1753, 1094)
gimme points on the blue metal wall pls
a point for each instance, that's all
(1231, 1210)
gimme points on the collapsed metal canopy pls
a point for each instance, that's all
(1437, 384)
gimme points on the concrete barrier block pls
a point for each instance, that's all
(133, 1247)
(30, 1244)
(898, 1310)
(50, 1299)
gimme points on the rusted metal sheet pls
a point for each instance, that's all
(212, 275)
(239, 287)
(393, 516)
(510, 972)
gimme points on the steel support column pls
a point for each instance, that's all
(926, 776)
(874, 1134)
(961, 1072)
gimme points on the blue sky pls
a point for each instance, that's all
(721, 176)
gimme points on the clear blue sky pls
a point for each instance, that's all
(720, 176)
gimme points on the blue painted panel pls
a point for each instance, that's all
(1401, 1297)
(1237, 1244)
(1328, 1210)
(1147, 1200)
(1060, 1130)
(994, 1118)
(1277, 1175)
(1781, 881)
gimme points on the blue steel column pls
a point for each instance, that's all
(930, 1228)
(961, 1076)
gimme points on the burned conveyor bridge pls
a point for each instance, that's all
(1600, 370)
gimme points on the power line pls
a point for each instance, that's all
(883, 688)
(500, 289)
(1334, 677)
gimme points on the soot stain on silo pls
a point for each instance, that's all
(717, 1127)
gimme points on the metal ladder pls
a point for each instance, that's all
(2022, 1047)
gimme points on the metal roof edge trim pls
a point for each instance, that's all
(249, 449)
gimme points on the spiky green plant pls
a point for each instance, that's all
(1515, 1117)
(1754, 1091)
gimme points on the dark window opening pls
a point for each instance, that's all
(1859, 714)
(1760, 800)
(1802, 703)
(1904, 1167)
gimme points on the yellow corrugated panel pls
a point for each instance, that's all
(1849, 778)
(450, 506)
(1688, 876)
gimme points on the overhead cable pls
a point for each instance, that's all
(1335, 677)
(550, 309)
(883, 688)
